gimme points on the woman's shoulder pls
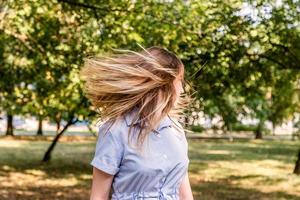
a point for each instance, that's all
(115, 127)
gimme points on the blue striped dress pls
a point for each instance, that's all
(155, 174)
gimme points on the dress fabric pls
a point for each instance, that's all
(157, 173)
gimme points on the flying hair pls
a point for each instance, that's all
(118, 82)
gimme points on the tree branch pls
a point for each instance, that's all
(286, 49)
(93, 7)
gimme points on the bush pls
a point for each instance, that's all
(243, 127)
(251, 128)
(196, 128)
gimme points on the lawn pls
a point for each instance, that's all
(218, 169)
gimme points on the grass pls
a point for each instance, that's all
(244, 170)
(217, 170)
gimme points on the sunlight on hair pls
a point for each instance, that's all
(126, 79)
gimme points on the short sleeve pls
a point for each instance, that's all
(184, 140)
(187, 148)
(186, 143)
(108, 152)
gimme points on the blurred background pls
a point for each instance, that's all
(242, 65)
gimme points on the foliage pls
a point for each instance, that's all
(249, 49)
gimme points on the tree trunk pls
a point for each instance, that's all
(258, 134)
(259, 130)
(91, 130)
(273, 128)
(47, 155)
(40, 126)
(9, 127)
(57, 120)
(297, 165)
(230, 138)
(186, 121)
(57, 126)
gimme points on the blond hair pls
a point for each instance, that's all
(117, 83)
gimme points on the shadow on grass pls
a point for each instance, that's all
(44, 192)
(24, 176)
(223, 189)
(71, 160)
(244, 151)
(67, 158)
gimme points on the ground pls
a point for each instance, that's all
(218, 169)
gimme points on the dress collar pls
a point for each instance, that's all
(165, 122)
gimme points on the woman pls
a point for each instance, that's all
(139, 95)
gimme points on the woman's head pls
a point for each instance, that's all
(150, 80)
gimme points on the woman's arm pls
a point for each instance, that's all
(185, 191)
(101, 185)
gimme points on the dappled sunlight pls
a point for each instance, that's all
(35, 172)
(7, 168)
(23, 175)
(255, 167)
(218, 164)
(243, 151)
(12, 179)
(265, 175)
(223, 152)
(45, 192)
(86, 176)
(37, 184)
(12, 143)
(247, 170)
